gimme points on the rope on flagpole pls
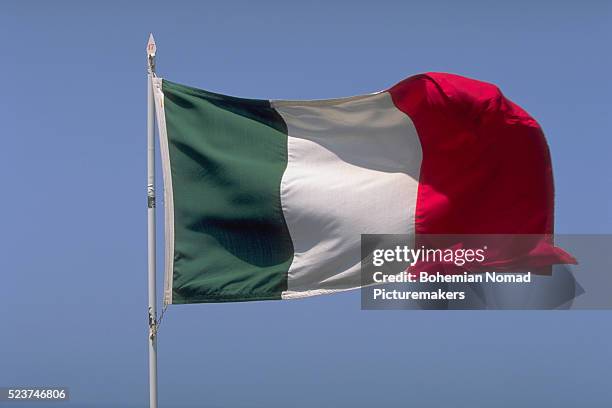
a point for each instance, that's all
(154, 324)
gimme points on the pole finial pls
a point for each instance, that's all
(151, 50)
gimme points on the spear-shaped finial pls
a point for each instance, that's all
(151, 49)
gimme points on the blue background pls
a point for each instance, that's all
(73, 223)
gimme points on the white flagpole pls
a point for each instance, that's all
(151, 49)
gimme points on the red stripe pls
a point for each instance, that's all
(486, 166)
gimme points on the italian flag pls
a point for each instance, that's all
(268, 199)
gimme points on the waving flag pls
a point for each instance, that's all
(268, 199)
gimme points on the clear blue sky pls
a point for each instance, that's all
(73, 230)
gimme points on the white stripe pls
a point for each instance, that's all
(353, 168)
(168, 195)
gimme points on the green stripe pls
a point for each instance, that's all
(227, 158)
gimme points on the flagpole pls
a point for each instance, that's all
(151, 49)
